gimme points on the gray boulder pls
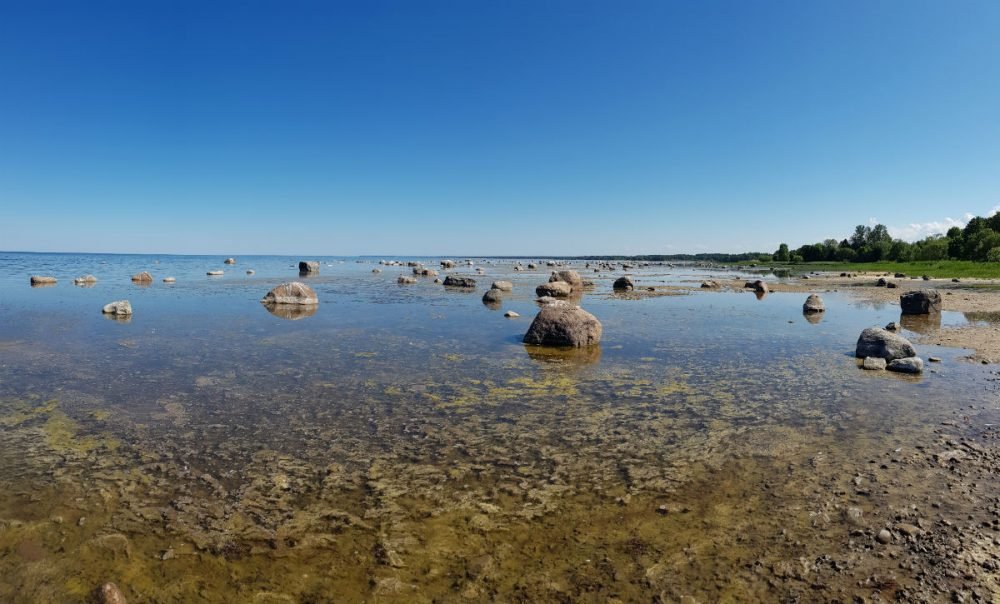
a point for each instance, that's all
(623, 284)
(492, 296)
(564, 325)
(554, 289)
(504, 286)
(907, 365)
(452, 281)
(119, 308)
(85, 280)
(813, 304)
(308, 266)
(295, 292)
(920, 302)
(877, 342)
(571, 277)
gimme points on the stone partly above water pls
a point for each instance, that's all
(554, 289)
(404, 280)
(759, 286)
(493, 296)
(120, 308)
(813, 304)
(874, 363)
(308, 266)
(294, 292)
(85, 280)
(42, 280)
(623, 284)
(504, 286)
(564, 325)
(143, 277)
(920, 302)
(877, 342)
(452, 281)
(907, 365)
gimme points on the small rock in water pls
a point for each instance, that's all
(229, 261)
(404, 280)
(920, 302)
(511, 314)
(453, 281)
(623, 284)
(884, 536)
(554, 289)
(143, 277)
(874, 363)
(295, 292)
(492, 296)
(710, 285)
(214, 273)
(934, 359)
(892, 326)
(877, 342)
(85, 280)
(169, 279)
(42, 280)
(907, 365)
(376, 270)
(118, 308)
(813, 304)
(249, 271)
(308, 266)
(504, 286)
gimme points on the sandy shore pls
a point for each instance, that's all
(970, 296)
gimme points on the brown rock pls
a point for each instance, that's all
(294, 292)
(564, 325)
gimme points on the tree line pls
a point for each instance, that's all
(979, 240)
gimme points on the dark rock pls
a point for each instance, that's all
(920, 302)
(308, 267)
(877, 342)
(882, 282)
(229, 261)
(564, 325)
(492, 296)
(452, 281)
(623, 284)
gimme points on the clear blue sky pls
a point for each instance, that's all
(491, 127)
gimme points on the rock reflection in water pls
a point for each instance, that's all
(42, 284)
(922, 324)
(813, 317)
(586, 355)
(292, 312)
(117, 318)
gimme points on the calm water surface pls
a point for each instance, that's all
(401, 444)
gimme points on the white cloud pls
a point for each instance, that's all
(918, 230)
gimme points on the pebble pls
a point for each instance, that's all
(884, 536)
(934, 359)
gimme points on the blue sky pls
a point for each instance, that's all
(500, 127)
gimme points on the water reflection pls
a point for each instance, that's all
(813, 317)
(42, 284)
(587, 355)
(292, 312)
(760, 295)
(979, 316)
(117, 318)
(923, 324)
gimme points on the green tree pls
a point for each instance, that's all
(782, 254)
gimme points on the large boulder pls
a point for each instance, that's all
(295, 292)
(119, 308)
(571, 277)
(623, 284)
(920, 302)
(493, 296)
(504, 286)
(564, 325)
(554, 289)
(308, 266)
(452, 281)
(813, 304)
(877, 342)
(143, 277)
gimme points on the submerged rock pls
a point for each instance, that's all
(447, 264)
(404, 280)
(623, 284)
(214, 273)
(877, 342)
(229, 261)
(564, 325)
(121, 308)
(85, 280)
(710, 285)
(250, 271)
(308, 266)
(907, 365)
(169, 279)
(554, 289)
(424, 272)
(920, 302)
(504, 286)
(452, 281)
(294, 292)
(143, 277)
(813, 304)
(42, 280)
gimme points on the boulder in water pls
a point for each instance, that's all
(143, 277)
(554, 289)
(920, 302)
(453, 281)
(623, 284)
(813, 304)
(504, 286)
(907, 365)
(877, 342)
(564, 325)
(119, 308)
(294, 292)
(307, 267)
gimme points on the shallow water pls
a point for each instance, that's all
(402, 444)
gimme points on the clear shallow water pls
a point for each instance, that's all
(401, 443)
